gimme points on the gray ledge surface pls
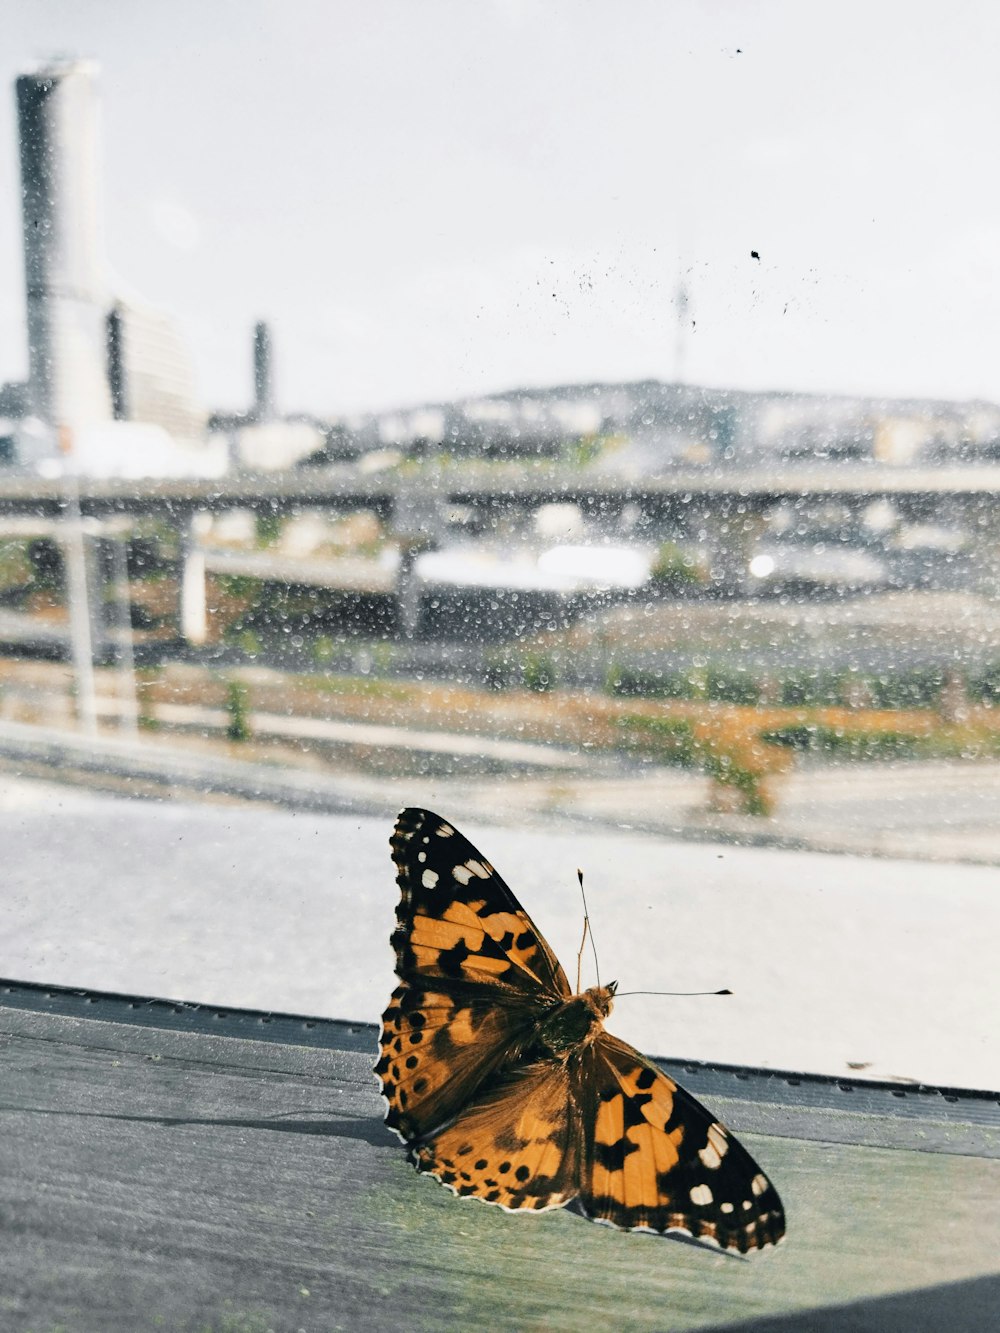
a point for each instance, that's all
(172, 1166)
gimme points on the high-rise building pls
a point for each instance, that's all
(94, 359)
(63, 257)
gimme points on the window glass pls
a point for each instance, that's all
(580, 420)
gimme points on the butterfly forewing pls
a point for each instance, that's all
(437, 1048)
(457, 920)
(659, 1161)
(475, 974)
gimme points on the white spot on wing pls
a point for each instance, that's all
(444, 831)
(701, 1195)
(726, 1207)
(716, 1147)
(710, 1157)
(429, 879)
(759, 1183)
(462, 875)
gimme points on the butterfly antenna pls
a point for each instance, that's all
(620, 993)
(587, 930)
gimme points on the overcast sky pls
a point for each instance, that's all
(429, 199)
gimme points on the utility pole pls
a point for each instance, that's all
(79, 598)
(680, 331)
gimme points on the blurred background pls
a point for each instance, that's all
(564, 416)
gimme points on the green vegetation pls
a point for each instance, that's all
(721, 685)
(731, 686)
(249, 643)
(587, 449)
(674, 569)
(538, 671)
(371, 687)
(236, 706)
(837, 742)
(635, 683)
(239, 586)
(918, 688)
(15, 564)
(323, 650)
(984, 685)
(146, 680)
(730, 751)
(744, 781)
(815, 689)
(863, 741)
(268, 528)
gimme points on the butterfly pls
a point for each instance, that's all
(507, 1088)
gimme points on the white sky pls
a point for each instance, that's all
(431, 198)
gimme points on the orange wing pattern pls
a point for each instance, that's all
(438, 1048)
(457, 921)
(516, 1145)
(657, 1160)
(506, 1086)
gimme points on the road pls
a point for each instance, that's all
(938, 811)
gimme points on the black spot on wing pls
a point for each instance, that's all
(632, 1109)
(450, 960)
(612, 1155)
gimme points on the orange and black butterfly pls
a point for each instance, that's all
(507, 1087)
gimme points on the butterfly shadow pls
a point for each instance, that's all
(366, 1131)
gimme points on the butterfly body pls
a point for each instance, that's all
(575, 1023)
(506, 1085)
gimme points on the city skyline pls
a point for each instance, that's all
(433, 203)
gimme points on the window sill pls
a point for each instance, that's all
(200, 1166)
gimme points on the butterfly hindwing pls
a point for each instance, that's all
(659, 1161)
(457, 920)
(518, 1144)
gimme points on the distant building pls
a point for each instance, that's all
(902, 439)
(112, 375)
(67, 295)
(273, 446)
(258, 438)
(150, 371)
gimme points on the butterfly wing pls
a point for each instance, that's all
(518, 1144)
(475, 975)
(657, 1160)
(437, 1049)
(457, 920)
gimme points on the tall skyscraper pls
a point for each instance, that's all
(94, 358)
(67, 293)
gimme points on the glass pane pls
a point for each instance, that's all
(580, 420)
